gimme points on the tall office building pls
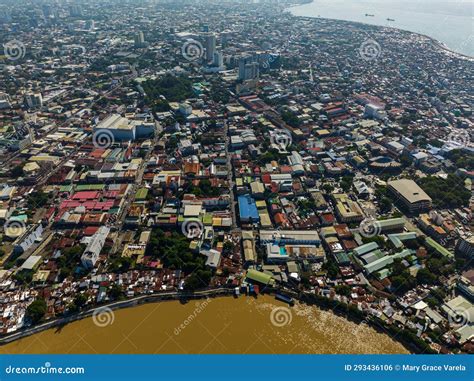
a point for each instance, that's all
(218, 59)
(75, 11)
(34, 100)
(47, 11)
(210, 46)
(139, 40)
(248, 68)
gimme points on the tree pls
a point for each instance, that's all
(425, 276)
(17, 171)
(37, 200)
(343, 289)
(385, 205)
(446, 193)
(198, 279)
(36, 311)
(328, 188)
(331, 268)
(305, 282)
(346, 183)
(228, 246)
(116, 292)
(403, 283)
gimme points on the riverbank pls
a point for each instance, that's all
(342, 310)
(214, 325)
(142, 299)
(435, 42)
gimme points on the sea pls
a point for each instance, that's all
(449, 21)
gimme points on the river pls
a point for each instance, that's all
(220, 325)
(448, 21)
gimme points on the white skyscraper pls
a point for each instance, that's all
(210, 46)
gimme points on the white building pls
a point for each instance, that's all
(28, 238)
(210, 46)
(94, 247)
(124, 129)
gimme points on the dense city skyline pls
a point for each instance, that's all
(181, 150)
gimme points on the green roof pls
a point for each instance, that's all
(65, 188)
(259, 277)
(141, 194)
(342, 258)
(367, 248)
(87, 187)
(379, 264)
(382, 274)
(390, 223)
(207, 219)
(436, 246)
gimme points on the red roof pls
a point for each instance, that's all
(266, 178)
(90, 230)
(86, 195)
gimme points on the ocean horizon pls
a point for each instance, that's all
(450, 22)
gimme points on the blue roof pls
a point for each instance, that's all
(248, 208)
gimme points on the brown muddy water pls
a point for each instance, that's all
(220, 325)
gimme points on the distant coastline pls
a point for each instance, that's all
(436, 43)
